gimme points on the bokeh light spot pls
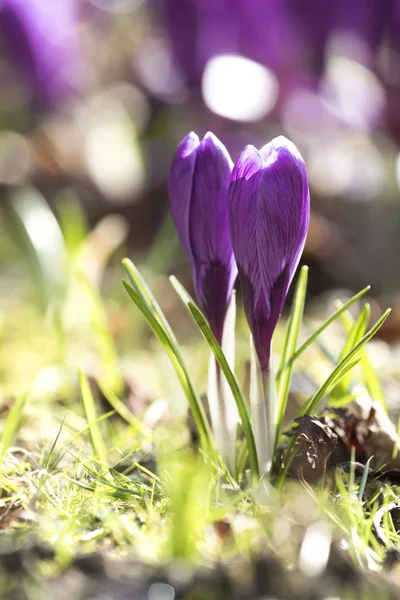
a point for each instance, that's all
(239, 88)
(161, 591)
(111, 151)
(314, 553)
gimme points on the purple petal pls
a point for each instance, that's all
(213, 263)
(198, 186)
(214, 284)
(269, 214)
(283, 216)
(242, 203)
(180, 185)
(208, 222)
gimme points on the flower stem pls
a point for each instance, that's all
(260, 414)
(223, 410)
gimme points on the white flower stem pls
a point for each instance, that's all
(263, 405)
(223, 410)
(271, 398)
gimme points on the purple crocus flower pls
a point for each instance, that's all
(269, 211)
(40, 38)
(198, 185)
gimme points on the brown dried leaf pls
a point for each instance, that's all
(327, 441)
(376, 434)
(317, 446)
(8, 514)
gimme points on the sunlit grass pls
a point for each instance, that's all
(83, 471)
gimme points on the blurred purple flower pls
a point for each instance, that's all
(365, 22)
(295, 39)
(269, 212)
(202, 29)
(40, 38)
(198, 184)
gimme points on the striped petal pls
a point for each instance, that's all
(180, 184)
(269, 214)
(198, 186)
(208, 222)
(242, 205)
(282, 220)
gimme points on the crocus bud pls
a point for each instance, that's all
(198, 185)
(269, 212)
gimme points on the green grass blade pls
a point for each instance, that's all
(324, 326)
(98, 445)
(12, 424)
(80, 433)
(30, 214)
(173, 352)
(352, 471)
(343, 401)
(143, 290)
(123, 411)
(205, 330)
(369, 373)
(363, 481)
(153, 312)
(188, 487)
(290, 344)
(396, 445)
(343, 365)
(54, 444)
(110, 373)
(241, 460)
(355, 330)
(72, 219)
(341, 374)
(372, 382)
